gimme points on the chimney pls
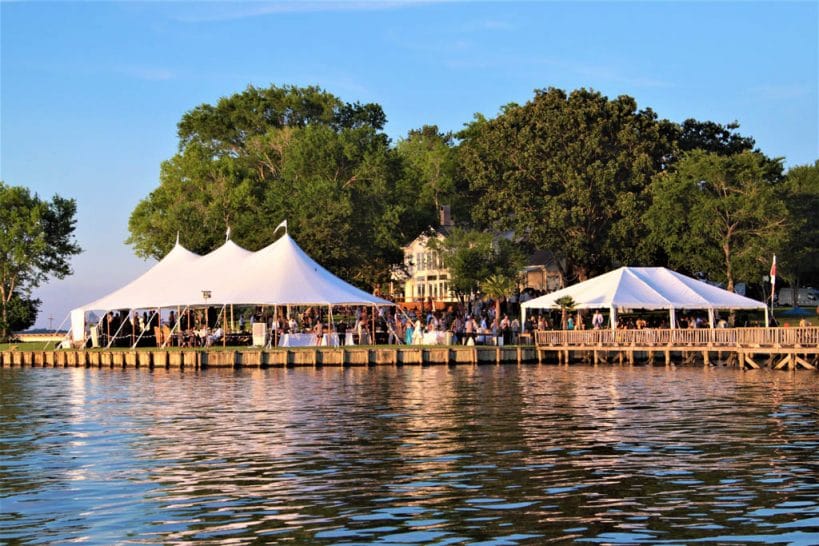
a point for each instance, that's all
(446, 216)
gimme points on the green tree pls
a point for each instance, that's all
(566, 305)
(430, 176)
(337, 190)
(709, 136)
(199, 197)
(264, 155)
(498, 287)
(227, 127)
(799, 256)
(720, 215)
(569, 173)
(22, 312)
(36, 241)
(471, 256)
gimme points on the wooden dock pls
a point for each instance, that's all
(777, 348)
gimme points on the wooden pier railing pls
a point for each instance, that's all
(782, 347)
(681, 338)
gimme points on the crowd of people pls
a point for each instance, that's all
(476, 322)
(194, 328)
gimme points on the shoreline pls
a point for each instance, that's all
(366, 357)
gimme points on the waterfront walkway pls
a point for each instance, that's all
(778, 348)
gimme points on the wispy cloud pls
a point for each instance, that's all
(782, 91)
(206, 13)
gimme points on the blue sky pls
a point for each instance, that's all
(90, 93)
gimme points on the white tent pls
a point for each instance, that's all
(152, 289)
(280, 274)
(646, 288)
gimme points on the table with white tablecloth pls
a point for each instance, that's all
(435, 338)
(309, 340)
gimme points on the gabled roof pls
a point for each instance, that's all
(645, 288)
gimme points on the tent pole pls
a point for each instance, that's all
(711, 317)
(224, 330)
(274, 334)
(767, 319)
(175, 326)
(66, 318)
(613, 317)
(672, 317)
(372, 337)
(331, 327)
(111, 340)
(142, 333)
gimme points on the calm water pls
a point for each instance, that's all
(438, 455)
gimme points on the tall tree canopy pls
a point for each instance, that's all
(799, 256)
(430, 177)
(36, 241)
(568, 172)
(709, 136)
(265, 155)
(721, 215)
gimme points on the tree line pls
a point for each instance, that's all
(599, 182)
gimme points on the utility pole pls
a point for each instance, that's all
(51, 322)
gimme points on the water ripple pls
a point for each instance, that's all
(461, 455)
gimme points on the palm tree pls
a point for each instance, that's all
(566, 304)
(498, 286)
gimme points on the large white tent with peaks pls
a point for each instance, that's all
(279, 274)
(650, 288)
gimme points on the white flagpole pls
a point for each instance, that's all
(773, 283)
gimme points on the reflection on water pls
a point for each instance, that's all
(439, 455)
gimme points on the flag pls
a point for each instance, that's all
(773, 271)
(227, 234)
(282, 225)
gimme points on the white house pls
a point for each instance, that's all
(426, 280)
(424, 276)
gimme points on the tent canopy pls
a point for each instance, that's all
(279, 274)
(153, 288)
(282, 273)
(646, 288)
